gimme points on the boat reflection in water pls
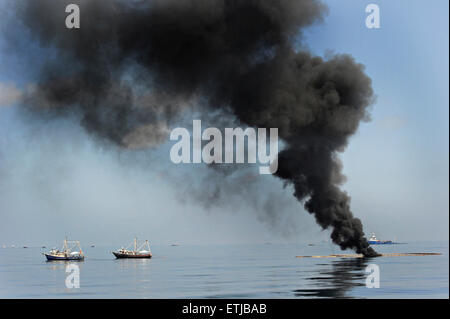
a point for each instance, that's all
(336, 279)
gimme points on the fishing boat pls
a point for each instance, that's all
(71, 250)
(373, 240)
(136, 252)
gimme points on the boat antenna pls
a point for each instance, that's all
(65, 243)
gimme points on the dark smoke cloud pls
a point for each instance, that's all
(135, 66)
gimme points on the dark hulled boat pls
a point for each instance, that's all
(127, 254)
(62, 256)
(136, 252)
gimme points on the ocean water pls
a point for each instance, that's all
(228, 271)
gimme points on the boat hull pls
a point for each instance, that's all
(137, 256)
(388, 242)
(71, 258)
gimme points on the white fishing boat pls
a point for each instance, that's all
(71, 250)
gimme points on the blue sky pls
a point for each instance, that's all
(396, 165)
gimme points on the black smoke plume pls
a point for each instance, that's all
(133, 66)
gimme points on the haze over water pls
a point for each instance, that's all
(228, 271)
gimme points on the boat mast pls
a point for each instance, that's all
(135, 243)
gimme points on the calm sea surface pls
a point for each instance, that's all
(228, 271)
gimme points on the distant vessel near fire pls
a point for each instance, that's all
(136, 252)
(373, 240)
(68, 251)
